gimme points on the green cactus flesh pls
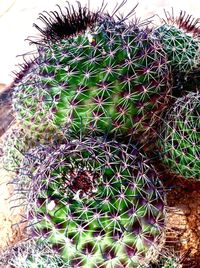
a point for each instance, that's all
(167, 259)
(180, 137)
(182, 49)
(170, 263)
(166, 263)
(94, 203)
(111, 78)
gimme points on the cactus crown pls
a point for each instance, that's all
(180, 39)
(61, 25)
(184, 21)
(24, 69)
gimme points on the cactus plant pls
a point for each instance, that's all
(15, 145)
(179, 141)
(94, 74)
(180, 38)
(95, 202)
(18, 141)
(28, 254)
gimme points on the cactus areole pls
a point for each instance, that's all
(81, 182)
(94, 74)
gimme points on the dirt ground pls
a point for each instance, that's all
(183, 219)
(183, 198)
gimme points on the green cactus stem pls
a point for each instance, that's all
(179, 141)
(96, 203)
(103, 76)
(180, 38)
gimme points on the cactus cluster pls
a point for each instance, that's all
(98, 93)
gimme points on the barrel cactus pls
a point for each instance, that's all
(179, 141)
(179, 36)
(94, 202)
(94, 74)
(180, 39)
